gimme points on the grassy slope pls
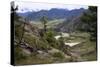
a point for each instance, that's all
(86, 50)
(33, 40)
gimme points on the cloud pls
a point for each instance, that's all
(31, 6)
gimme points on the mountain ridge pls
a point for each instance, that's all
(52, 14)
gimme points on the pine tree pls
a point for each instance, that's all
(90, 18)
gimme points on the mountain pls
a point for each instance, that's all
(71, 25)
(52, 14)
(24, 14)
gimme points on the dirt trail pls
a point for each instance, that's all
(72, 44)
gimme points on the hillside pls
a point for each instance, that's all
(36, 47)
(71, 25)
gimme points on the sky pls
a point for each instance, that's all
(32, 6)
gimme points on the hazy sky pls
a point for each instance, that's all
(28, 6)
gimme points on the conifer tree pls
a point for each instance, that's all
(90, 18)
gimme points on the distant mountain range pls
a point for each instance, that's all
(52, 14)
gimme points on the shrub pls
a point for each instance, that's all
(58, 55)
(18, 54)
